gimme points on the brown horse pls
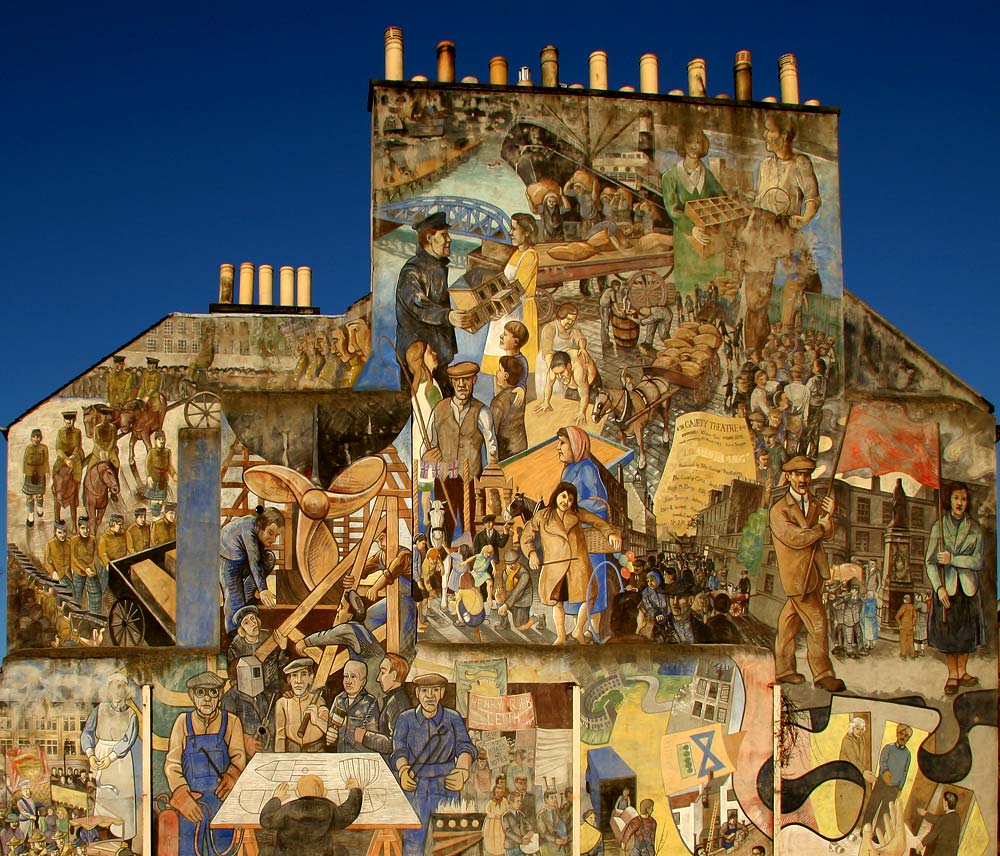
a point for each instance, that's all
(66, 493)
(631, 409)
(100, 486)
(134, 420)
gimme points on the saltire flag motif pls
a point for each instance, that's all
(880, 438)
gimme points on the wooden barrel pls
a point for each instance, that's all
(624, 330)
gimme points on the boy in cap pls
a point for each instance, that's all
(515, 583)
(432, 755)
(799, 525)
(205, 756)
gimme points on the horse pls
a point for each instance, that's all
(521, 506)
(100, 486)
(134, 420)
(632, 408)
(65, 492)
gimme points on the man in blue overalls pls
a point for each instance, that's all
(205, 757)
(432, 754)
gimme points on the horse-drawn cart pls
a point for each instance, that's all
(144, 611)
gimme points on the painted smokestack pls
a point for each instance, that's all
(226, 276)
(697, 77)
(287, 285)
(393, 53)
(788, 77)
(550, 65)
(246, 283)
(305, 276)
(599, 70)
(742, 76)
(649, 74)
(498, 71)
(265, 285)
(446, 62)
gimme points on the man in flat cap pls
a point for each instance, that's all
(301, 717)
(515, 583)
(685, 627)
(423, 307)
(205, 756)
(799, 524)
(432, 754)
(460, 429)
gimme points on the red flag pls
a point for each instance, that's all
(881, 438)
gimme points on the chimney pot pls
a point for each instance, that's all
(626, 88)
(649, 74)
(265, 285)
(470, 79)
(419, 78)
(393, 53)
(226, 278)
(769, 99)
(304, 286)
(742, 76)
(446, 61)
(788, 78)
(498, 71)
(287, 285)
(676, 92)
(697, 78)
(599, 70)
(246, 283)
(550, 65)
(576, 86)
(524, 76)
(812, 102)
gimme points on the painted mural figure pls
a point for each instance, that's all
(517, 829)
(554, 543)
(58, 556)
(137, 536)
(799, 524)
(204, 759)
(352, 710)
(945, 833)
(35, 476)
(953, 562)
(149, 385)
(159, 471)
(243, 545)
(110, 546)
(83, 561)
(109, 741)
(893, 766)
(67, 466)
(854, 750)
(105, 440)
(118, 384)
(307, 824)
(301, 718)
(432, 755)
(423, 306)
(164, 530)
(786, 201)
(507, 406)
(552, 832)
(392, 673)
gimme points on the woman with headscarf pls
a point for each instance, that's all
(554, 543)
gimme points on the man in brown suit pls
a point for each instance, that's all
(799, 524)
(906, 618)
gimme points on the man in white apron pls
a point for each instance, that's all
(108, 739)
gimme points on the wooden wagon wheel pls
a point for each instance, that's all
(126, 622)
(203, 410)
(646, 289)
(545, 305)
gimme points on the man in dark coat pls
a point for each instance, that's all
(946, 829)
(685, 627)
(423, 307)
(306, 825)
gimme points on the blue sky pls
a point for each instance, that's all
(143, 148)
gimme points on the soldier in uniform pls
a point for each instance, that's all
(110, 546)
(35, 466)
(165, 529)
(105, 440)
(159, 471)
(57, 554)
(69, 447)
(137, 535)
(83, 562)
(352, 710)
(149, 386)
(119, 384)
(301, 718)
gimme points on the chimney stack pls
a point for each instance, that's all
(697, 76)
(498, 71)
(599, 70)
(305, 286)
(788, 77)
(246, 283)
(287, 285)
(550, 66)
(265, 285)
(446, 62)
(742, 79)
(226, 276)
(393, 53)
(649, 74)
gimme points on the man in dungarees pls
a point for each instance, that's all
(205, 757)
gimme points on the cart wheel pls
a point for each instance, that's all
(646, 288)
(545, 305)
(203, 410)
(126, 622)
